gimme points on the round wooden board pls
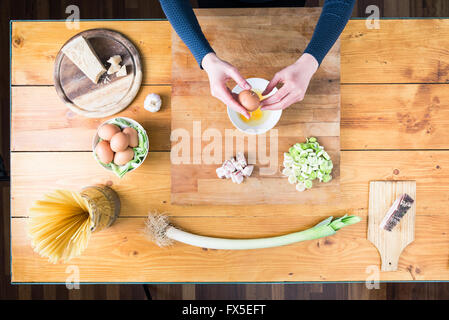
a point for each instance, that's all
(111, 94)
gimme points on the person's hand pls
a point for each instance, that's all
(295, 79)
(219, 72)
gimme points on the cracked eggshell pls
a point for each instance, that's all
(153, 102)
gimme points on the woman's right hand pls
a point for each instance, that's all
(219, 72)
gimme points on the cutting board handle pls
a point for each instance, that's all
(390, 244)
(390, 254)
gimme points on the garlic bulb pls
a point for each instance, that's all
(153, 102)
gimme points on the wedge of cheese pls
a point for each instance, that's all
(81, 53)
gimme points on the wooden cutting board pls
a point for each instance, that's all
(390, 244)
(259, 45)
(111, 94)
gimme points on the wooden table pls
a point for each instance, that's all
(394, 125)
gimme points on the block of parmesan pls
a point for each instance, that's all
(80, 52)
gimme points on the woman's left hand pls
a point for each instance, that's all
(295, 79)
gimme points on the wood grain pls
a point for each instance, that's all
(429, 252)
(429, 168)
(127, 256)
(62, 130)
(145, 9)
(405, 116)
(35, 46)
(391, 55)
(386, 55)
(111, 94)
(382, 195)
(318, 115)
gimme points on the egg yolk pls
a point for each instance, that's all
(255, 115)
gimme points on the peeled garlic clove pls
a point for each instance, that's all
(152, 102)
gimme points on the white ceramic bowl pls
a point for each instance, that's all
(97, 139)
(273, 116)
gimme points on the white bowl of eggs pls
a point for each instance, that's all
(120, 145)
(260, 121)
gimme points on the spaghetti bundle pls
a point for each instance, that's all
(60, 225)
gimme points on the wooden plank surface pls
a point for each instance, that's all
(385, 55)
(36, 44)
(405, 116)
(419, 122)
(364, 108)
(127, 256)
(429, 168)
(62, 130)
(391, 55)
(318, 115)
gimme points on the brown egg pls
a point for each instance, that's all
(107, 131)
(133, 136)
(249, 99)
(119, 142)
(123, 157)
(104, 152)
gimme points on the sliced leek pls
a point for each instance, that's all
(306, 162)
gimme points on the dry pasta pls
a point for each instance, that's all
(60, 225)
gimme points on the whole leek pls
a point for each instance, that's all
(163, 234)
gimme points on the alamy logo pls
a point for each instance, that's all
(73, 280)
(372, 21)
(73, 20)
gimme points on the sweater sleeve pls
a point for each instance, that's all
(183, 19)
(333, 19)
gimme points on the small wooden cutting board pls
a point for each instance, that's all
(390, 244)
(111, 94)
